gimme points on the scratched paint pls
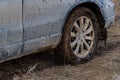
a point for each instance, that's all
(28, 25)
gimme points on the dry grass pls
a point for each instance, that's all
(104, 66)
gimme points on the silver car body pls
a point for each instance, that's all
(28, 26)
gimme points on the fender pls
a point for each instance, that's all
(99, 3)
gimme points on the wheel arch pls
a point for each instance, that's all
(96, 9)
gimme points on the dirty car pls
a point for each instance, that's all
(71, 27)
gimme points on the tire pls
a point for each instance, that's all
(73, 48)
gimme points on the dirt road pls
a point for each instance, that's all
(104, 66)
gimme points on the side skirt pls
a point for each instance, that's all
(31, 47)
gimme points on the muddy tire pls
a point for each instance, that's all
(79, 38)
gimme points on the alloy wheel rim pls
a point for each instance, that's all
(82, 36)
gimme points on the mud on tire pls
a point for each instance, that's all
(64, 51)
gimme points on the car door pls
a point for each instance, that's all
(43, 22)
(11, 30)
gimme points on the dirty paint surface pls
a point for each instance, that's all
(28, 25)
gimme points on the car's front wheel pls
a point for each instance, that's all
(79, 39)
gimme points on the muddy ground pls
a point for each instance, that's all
(104, 66)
